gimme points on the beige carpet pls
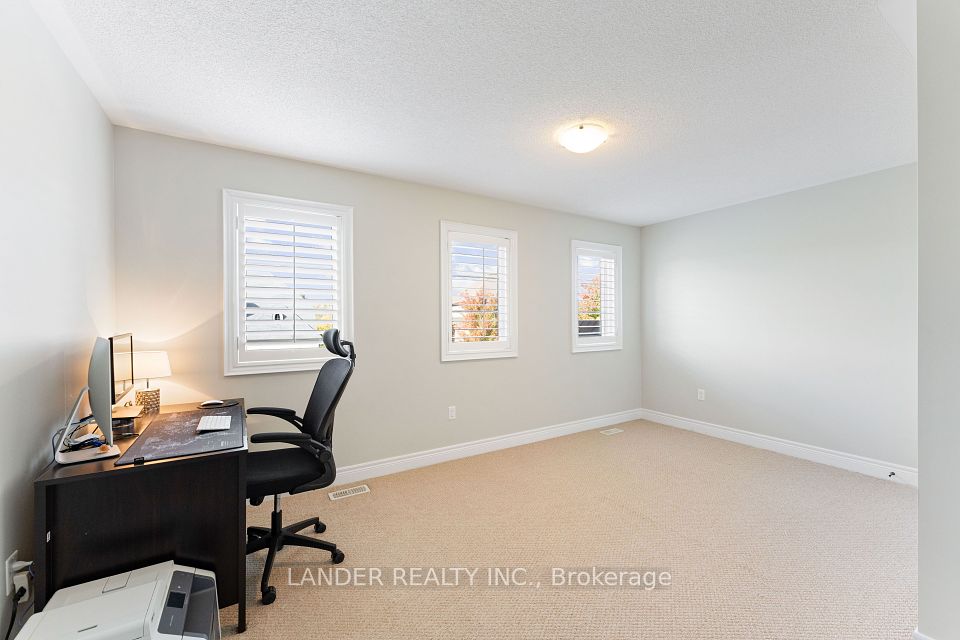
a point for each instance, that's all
(757, 545)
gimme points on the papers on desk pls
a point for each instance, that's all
(128, 412)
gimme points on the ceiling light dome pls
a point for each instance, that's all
(583, 138)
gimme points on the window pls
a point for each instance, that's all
(479, 284)
(287, 278)
(597, 300)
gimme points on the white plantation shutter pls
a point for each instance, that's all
(597, 313)
(478, 271)
(479, 291)
(291, 281)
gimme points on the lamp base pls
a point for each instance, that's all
(149, 399)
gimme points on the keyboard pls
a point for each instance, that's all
(213, 423)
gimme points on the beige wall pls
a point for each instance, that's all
(169, 279)
(56, 254)
(796, 314)
(939, 99)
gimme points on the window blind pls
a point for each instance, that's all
(479, 291)
(290, 286)
(596, 295)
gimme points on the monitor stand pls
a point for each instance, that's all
(86, 455)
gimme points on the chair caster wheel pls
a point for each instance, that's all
(336, 556)
(319, 528)
(269, 595)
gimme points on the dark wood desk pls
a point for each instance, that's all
(95, 519)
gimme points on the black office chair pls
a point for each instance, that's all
(295, 470)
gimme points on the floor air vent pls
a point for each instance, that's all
(346, 493)
(610, 432)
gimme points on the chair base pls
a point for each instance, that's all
(277, 537)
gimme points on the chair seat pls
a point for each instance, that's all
(283, 470)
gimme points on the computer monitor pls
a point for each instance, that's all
(121, 355)
(100, 385)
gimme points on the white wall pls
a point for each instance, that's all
(939, 99)
(169, 280)
(56, 253)
(796, 314)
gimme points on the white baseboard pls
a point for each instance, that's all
(376, 468)
(848, 461)
(919, 636)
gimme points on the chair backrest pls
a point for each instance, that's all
(327, 391)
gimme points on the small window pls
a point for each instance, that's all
(287, 278)
(597, 299)
(479, 284)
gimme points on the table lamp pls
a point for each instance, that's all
(148, 365)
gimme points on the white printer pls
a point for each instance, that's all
(162, 602)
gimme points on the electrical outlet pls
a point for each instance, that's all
(22, 579)
(15, 573)
(701, 394)
(8, 571)
(452, 412)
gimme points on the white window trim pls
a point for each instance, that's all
(599, 343)
(232, 363)
(448, 351)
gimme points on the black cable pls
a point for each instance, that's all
(55, 440)
(73, 427)
(13, 614)
(81, 424)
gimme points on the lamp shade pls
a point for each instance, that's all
(151, 364)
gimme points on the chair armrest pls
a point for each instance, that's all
(288, 437)
(303, 440)
(272, 411)
(287, 415)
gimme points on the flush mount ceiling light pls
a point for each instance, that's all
(583, 138)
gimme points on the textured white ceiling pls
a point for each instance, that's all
(710, 102)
